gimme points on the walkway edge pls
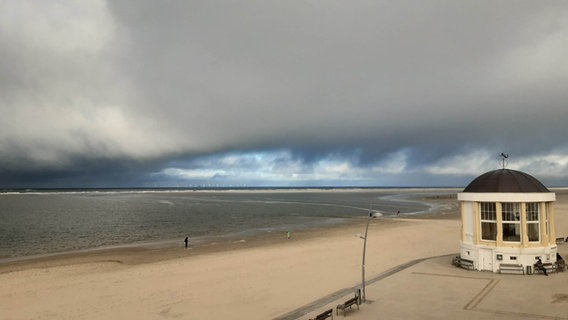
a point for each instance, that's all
(303, 310)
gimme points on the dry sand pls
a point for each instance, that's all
(259, 279)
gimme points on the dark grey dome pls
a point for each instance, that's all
(505, 180)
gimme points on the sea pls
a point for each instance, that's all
(44, 222)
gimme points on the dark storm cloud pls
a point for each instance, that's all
(283, 92)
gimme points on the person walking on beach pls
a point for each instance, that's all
(288, 234)
(186, 241)
(539, 266)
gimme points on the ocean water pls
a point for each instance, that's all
(38, 223)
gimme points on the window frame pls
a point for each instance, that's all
(511, 221)
(532, 210)
(488, 221)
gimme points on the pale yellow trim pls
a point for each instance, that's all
(462, 209)
(498, 213)
(476, 222)
(543, 215)
(552, 238)
(524, 227)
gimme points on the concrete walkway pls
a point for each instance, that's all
(434, 289)
(340, 294)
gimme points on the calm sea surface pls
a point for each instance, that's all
(35, 223)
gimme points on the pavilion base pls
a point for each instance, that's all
(503, 259)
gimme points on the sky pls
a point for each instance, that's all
(281, 93)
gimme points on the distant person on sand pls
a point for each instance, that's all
(538, 265)
(398, 213)
(186, 241)
(288, 234)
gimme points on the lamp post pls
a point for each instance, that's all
(364, 296)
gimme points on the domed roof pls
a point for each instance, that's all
(505, 180)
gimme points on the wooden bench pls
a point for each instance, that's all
(347, 304)
(560, 240)
(511, 267)
(550, 267)
(324, 315)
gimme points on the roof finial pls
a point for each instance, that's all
(504, 159)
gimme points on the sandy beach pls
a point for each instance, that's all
(259, 279)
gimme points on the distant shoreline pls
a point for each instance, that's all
(13, 191)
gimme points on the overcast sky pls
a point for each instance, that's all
(281, 93)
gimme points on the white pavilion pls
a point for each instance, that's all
(507, 221)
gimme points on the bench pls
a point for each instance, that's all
(324, 315)
(560, 265)
(511, 267)
(550, 267)
(466, 264)
(456, 261)
(560, 240)
(347, 304)
(462, 263)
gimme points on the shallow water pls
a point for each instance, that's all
(51, 222)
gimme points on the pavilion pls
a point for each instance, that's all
(507, 221)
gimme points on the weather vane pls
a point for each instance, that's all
(504, 158)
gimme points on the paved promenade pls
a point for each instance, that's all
(434, 289)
